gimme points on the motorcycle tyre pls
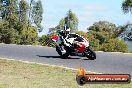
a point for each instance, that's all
(64, 56)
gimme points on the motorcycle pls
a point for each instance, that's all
(74, 45)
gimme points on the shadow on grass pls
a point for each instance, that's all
(58, 57)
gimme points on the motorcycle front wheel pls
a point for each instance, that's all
(90, 54)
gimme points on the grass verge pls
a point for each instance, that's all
(16, 74)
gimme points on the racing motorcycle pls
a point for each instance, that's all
(74, 45)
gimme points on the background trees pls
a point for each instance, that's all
(114, 45)
(37, 12)
(20, 22)
(8, 35)
(15, 24)
(103, 30)
(70, 20)
(127, 32)
(8, 21)
(127, 6)
(107, 34)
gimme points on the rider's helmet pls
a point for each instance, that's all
(67, 29)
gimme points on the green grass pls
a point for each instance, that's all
(16, 74)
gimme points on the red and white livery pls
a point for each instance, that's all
(73, 44)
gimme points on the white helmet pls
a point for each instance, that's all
(67, 29)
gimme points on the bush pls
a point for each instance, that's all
(46, 40)
(114, 45)
(29, 36)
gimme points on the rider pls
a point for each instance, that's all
(63, 34)
(65, 31)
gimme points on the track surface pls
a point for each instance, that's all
(105, 63)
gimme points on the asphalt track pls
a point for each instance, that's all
(106, 62)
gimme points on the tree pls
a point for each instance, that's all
(103, 30)
(9, 20)
(120, 31)
(9, 11)
(8, 35)
(127, 6)
(61, 24)
(45, 40)
(15, 23)
(59, 27)
(37, 12)
(29, 36)
(70, 20)
(23, 9)
(126, 32)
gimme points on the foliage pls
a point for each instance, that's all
(120, 30)
(23, 8)
(105, 34)
(115, 45)
(37, 12)
(45, 40)
(8, 8)
(104, 31)
(129, 32)
(126, 33)
(70, 20)
(15, 23)
(127, 6)
(8, 35)
(29, 36)
(61, 24)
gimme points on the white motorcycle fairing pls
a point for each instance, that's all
(73, 44)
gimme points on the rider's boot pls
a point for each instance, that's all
(62, 49)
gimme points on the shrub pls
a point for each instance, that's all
(45, 40)
(114, 45)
